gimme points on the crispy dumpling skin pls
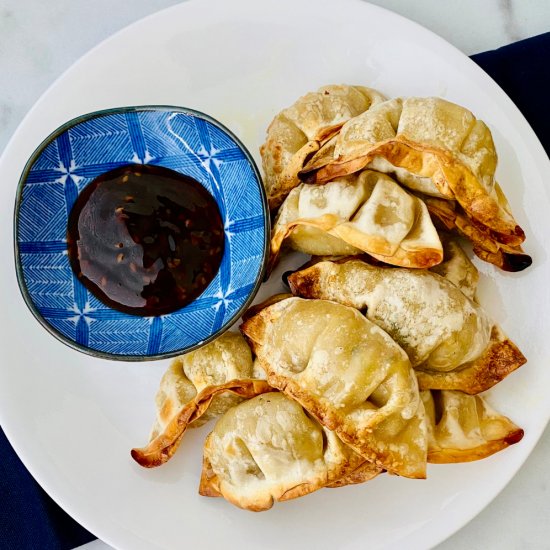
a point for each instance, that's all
(457, 268)
(161, 449)
(347, 373)
(365, 212)
(420, 310)
(298, 131)
(449, 216)
(181, 388)
(498, 360)
(268, 450)
(363, 473)
(463, 428)
(449, 339)
(434, 147)
(226, 358)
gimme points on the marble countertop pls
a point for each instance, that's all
(39, 40)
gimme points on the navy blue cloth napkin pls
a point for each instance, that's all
(522, 70)
(30, 520)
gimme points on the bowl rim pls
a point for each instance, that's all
(17, 253)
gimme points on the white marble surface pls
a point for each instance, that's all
(39, 40)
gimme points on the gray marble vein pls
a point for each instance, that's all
(511, 27)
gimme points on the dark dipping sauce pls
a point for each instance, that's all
(145, 240)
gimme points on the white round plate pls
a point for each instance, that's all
(73, 419)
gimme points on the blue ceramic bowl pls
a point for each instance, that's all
(183, 140)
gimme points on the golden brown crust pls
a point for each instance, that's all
(420, 259)
(306, 282)
(464, 428)
(354, 283)
(428, 316)
(456, 267)
(436, 164)
(363, 442)
(209, 482)
(297, 133)
(362, 474)
(226, 358)
(436, 148)
(286, 177)
(162, 448)
(500, 358)
(485, 245)
(414, 259)
(256, 308)
(269, 450)
(367, 432)
(452, 456)
(367, 212)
